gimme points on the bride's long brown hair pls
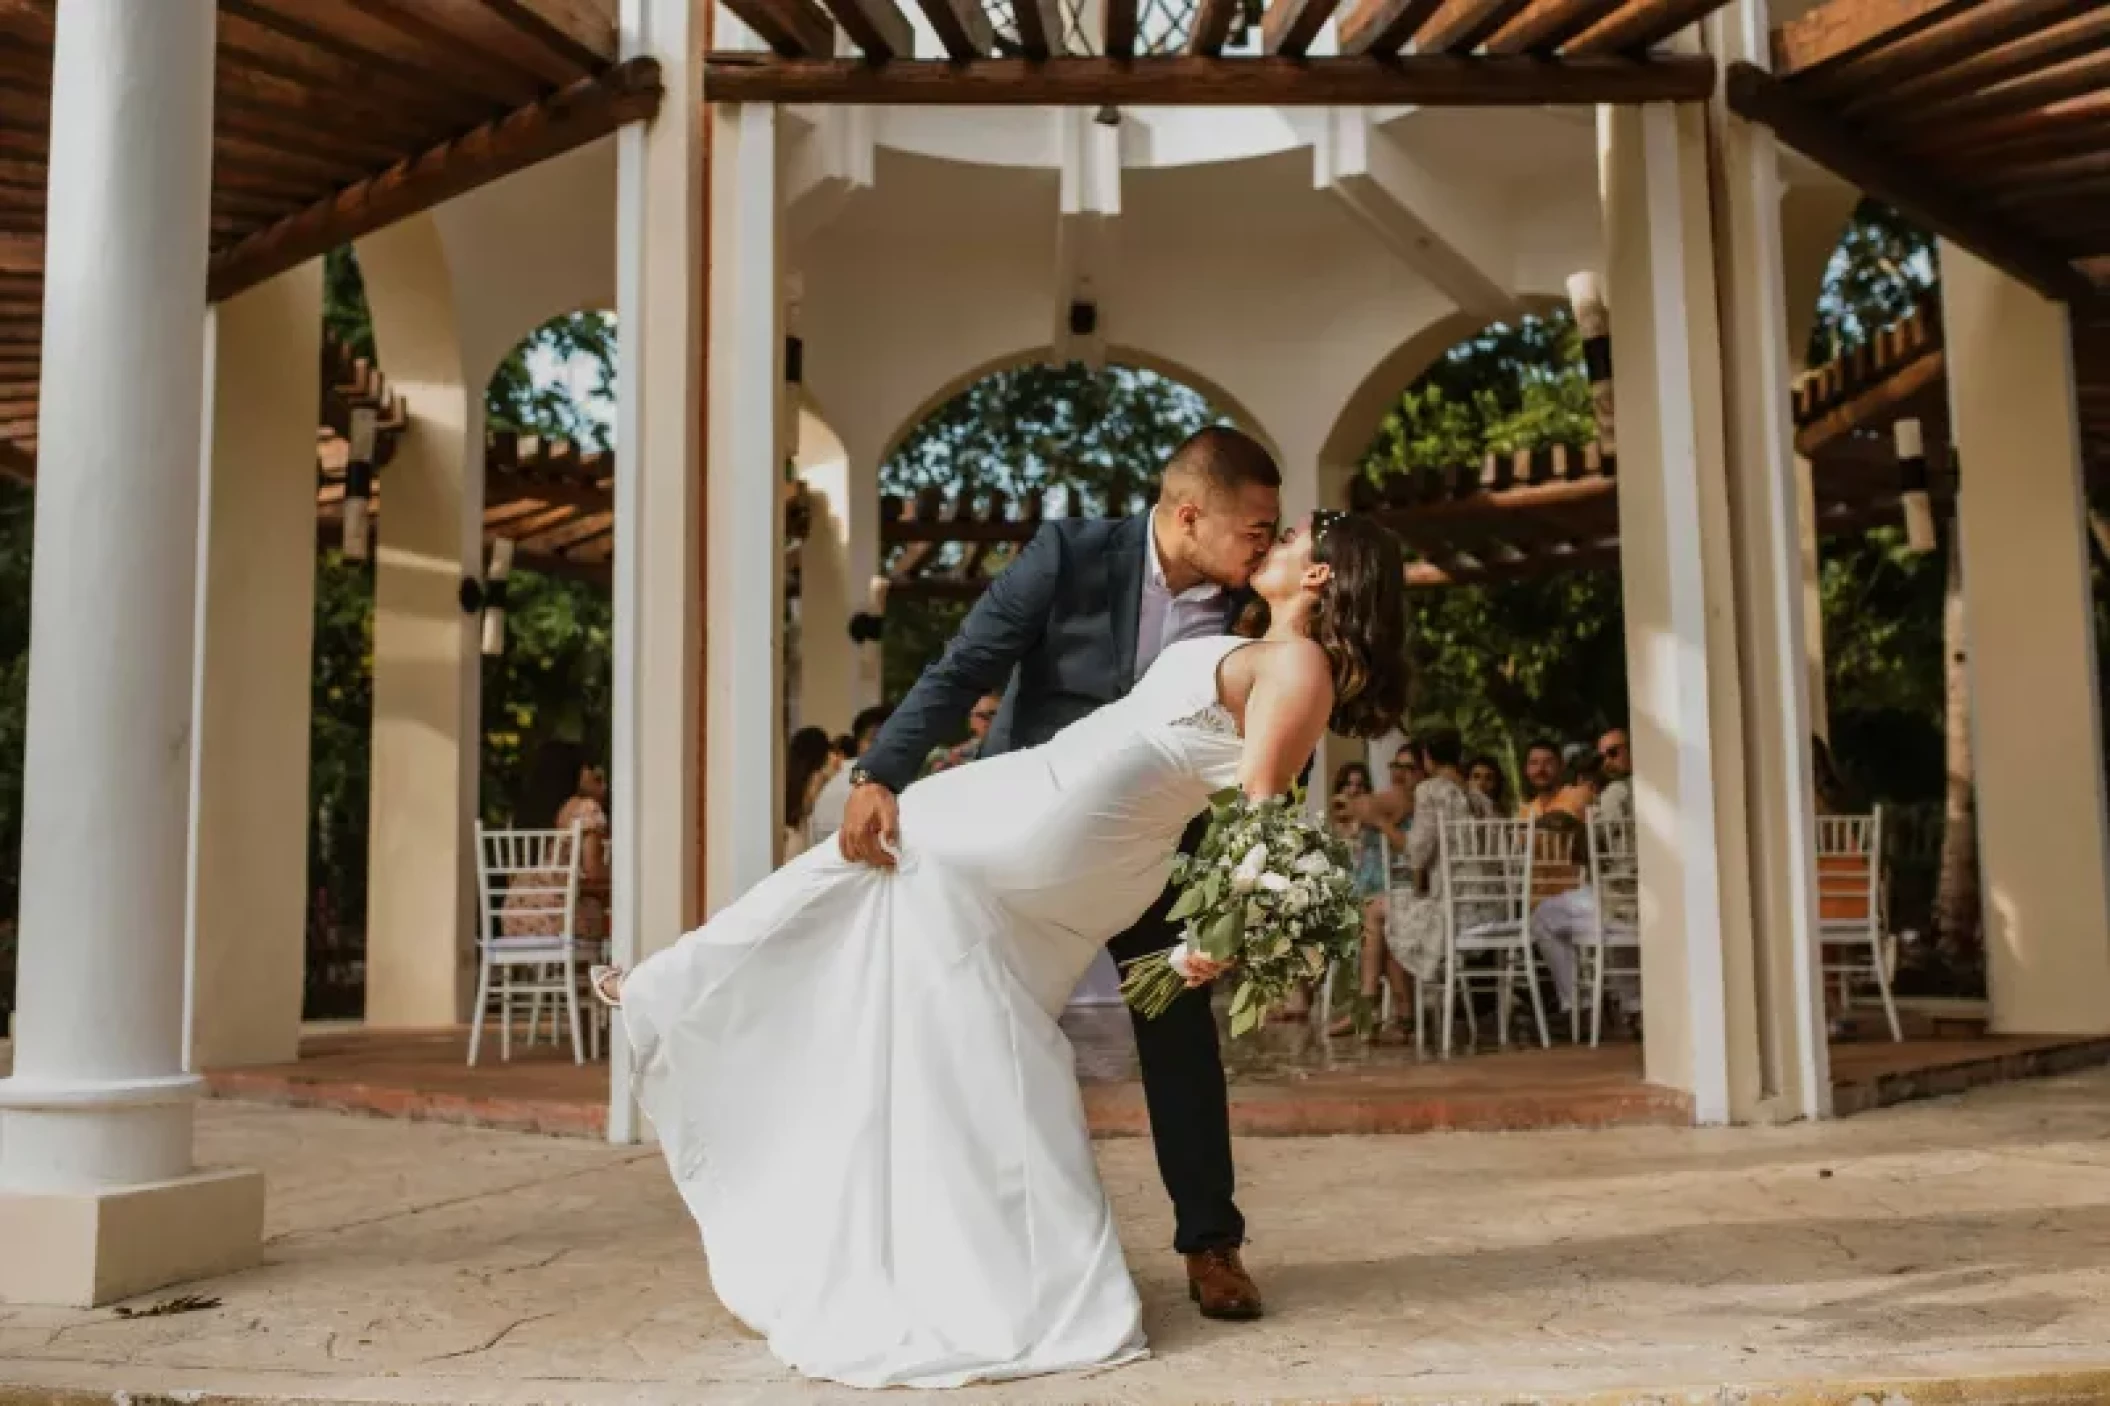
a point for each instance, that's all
(1360, 621)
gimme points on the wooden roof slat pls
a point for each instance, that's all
(1212, 26)
(1910, 187)
(794, 28)
(1380, 27)
(876, 26)
(1833, 35)
(1186, 80)
(1461, 26)
(2040, 88)
(588, 109)
(1118, 39)
(1288, 26)
(506, 31)
(1641, 24)
(580, 31)
(263, 43)
(392, 43)
(1548, 24)
(1040, 28)
(1965, 54)
(962, 27)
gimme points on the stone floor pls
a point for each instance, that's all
(1948, 1240)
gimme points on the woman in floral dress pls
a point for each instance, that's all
(1416, 933)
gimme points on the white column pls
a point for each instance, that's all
(828, 594)
(1779, 631)
(2036, 736)
(257, 577)
(744, 580)
(1681, 650)
(98, 1195)
(658, 501)
(421, 893)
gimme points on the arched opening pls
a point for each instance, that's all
(1008, 449)
(546, 669)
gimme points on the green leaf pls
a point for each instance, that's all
(1220, 942)
(1245, 1022)
(1191, 901)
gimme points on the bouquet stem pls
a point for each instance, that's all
(1150, 985)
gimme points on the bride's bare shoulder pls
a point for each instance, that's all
(1294, 665)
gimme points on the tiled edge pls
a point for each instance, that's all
(552, 1117)
(1942, 1081)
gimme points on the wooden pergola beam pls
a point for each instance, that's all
(1040, 26)
(1840, 31)
(795, 28)
(1639, 25)
(962, 27)
(1212, 27)
(1548, 24)
(876, 26)
(1188, 81)
(1905, 184)
(21, 253)
(1966, 54)
(1875, 405)
(1462, 26)
(1288, 26)
(586, 110)
(1382, 27)
(1119, 41)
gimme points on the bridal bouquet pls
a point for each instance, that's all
(1268, 889)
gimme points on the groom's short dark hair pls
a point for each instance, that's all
(1223, 460)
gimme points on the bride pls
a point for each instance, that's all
(856, 1072)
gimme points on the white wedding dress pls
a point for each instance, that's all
(859, 1081)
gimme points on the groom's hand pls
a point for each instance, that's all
(871, 826)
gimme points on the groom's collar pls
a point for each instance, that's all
(1154, 566)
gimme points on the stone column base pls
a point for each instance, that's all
(86, 1248)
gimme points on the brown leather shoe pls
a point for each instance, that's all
(1216, 1279)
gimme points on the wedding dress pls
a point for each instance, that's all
(857, 1074)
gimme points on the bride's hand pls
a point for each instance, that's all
(1202, 970)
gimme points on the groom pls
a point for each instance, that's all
(1068, 627)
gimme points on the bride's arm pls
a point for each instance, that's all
(1285, 715)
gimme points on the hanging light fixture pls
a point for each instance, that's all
(495, 596)
(1912, 480)
(359, 486)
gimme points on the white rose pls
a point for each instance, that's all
(1314, 864)
(1247, 875)
(1275, 883)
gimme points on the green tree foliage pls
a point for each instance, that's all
(1882, 603)
(1506, 661)
(1100, 436)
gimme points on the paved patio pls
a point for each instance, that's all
(1952, 1240)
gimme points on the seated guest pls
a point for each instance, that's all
(586, 807)
(827, 816)
(1416, 935)
(978, 721)
(1564, 920)
(1544, 772)
(1351, 796)
(1484, 774)
(1586, 778)
(809, 761)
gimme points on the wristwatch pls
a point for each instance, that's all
(860, 777)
